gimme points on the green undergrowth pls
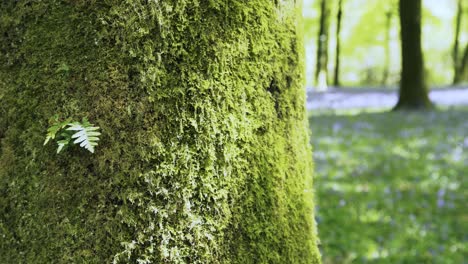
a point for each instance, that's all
(391, 186)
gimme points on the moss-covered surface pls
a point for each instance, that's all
(204, 154)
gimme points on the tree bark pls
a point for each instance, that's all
(413, 92)
(336, 80)
(457, 63)
(204, 154)
(321, 70)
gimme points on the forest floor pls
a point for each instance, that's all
(391, 186)
(353, 98)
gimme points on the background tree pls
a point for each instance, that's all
(339, 15)
(459, 63)
(456, 63)
(204, 154)
(389, 13)
(321, 70)
(413, 93)
(462, 73)
(365, 30)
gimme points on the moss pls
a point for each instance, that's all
(204, 155)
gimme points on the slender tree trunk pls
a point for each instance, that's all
(413, 89)
(388, 29)
(456, 61)
(204, 154)
(339, 16)
(321, 71)
(463, 67)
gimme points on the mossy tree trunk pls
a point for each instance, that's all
(413, 88)
(204, 154)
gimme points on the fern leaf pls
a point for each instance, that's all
(61, 145)
(86, 135)
(54, 129)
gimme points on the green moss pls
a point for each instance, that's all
(204, 154)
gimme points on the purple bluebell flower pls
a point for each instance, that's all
(440, 202)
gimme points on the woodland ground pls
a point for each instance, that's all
(349, 98)
(391, 187)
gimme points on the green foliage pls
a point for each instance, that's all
(83, 133)
(55, 129)
(363, 40)
(206, 156)
(391, 186)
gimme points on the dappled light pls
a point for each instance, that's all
(391, 187)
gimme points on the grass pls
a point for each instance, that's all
(391, 187)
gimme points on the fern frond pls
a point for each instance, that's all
(61, 144)
(86, 135)
(64, 133)
(64, 142)
(54, 129)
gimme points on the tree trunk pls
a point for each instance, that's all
(336, 80)
(321, 71)
(204, 154)
(388, 28)
(413, 90)
(463, 68)
(456, 61)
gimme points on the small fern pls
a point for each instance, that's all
(85, 135)
(54, 129)
(67, 133)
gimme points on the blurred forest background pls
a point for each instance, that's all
(368, 33)
(390, 185)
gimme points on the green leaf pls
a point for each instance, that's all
(54, 129)
(62, 144)
(86, 134)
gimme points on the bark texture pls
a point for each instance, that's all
(204, 154)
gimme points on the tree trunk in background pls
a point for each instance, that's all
(204, 154)
(336, 80)
(456, 61)
(463, 69)
(321, 71)
(413, 89)
(388, 28)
